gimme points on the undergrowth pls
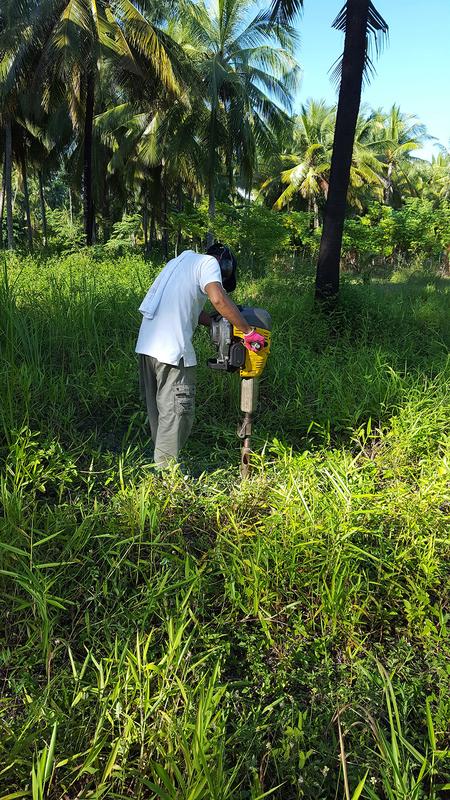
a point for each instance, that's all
(189, 636)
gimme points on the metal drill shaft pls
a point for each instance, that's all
(249, 399)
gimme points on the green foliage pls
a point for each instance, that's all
(191, 224)
(254, 232)
(262, 237)
(406, 773)
(422, 228)
(125, 234)
(176, 636)
(370, 236)
(302, 235)
(380, 237)
(65, 234)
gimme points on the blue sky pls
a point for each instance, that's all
(413, 70)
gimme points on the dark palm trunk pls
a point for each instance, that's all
(145, 226)
(327, 277)
(211, 179)
(26, 197)
(105, 214)
(8, 185)
(211, 212)
(152, 229)
(43, 211)
(2, 202)
(179, 240)
(229, 164)
(165, 232)
(88, 199)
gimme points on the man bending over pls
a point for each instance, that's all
(171, 310)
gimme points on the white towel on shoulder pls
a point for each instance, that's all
(151, 301)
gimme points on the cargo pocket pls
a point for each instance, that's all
(184, 398)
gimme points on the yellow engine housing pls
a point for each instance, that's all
(254, 361)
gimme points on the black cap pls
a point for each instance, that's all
(227, 263)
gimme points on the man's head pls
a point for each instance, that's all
(227, 263)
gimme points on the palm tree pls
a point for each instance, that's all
(366, 170)
(307, 166)
(247, 72)
(81, 34)
(68, 42)
(440, 170)
(11, 32)
(308, 172)
(398, 136)
(28, 130)
(358, 19)
(151, 136)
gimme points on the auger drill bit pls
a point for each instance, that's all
(249, 399)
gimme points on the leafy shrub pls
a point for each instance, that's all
(263, 237)
(422, 229)
(255, 233)
(125, 234)
(382, 233)
(191, 224)
(369, 236)
(65, 234)
(301, 233)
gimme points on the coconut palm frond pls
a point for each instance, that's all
(261, 30)
(377, 32)
(285, 10)
(285, 197)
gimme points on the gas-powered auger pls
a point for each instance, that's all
(232, 355)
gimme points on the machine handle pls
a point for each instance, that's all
(257, 344)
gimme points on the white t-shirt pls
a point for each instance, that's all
(168, 335)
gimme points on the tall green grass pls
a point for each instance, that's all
(191, 636)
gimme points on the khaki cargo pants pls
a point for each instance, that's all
(169, 394)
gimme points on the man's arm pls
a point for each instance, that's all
(225, 306)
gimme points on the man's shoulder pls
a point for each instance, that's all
(199, 259)
(202, 267)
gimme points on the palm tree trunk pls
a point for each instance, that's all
(43, 211)
(211, 213)
(165, 232)
(145, 226)
(8, 185)
(316, 213)
(179, 240)
(388, 192)
(2, 202)
(88, 199)
(26, 197)
(152, 228)
(211, 176)
(327, 276)
(229, 163)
